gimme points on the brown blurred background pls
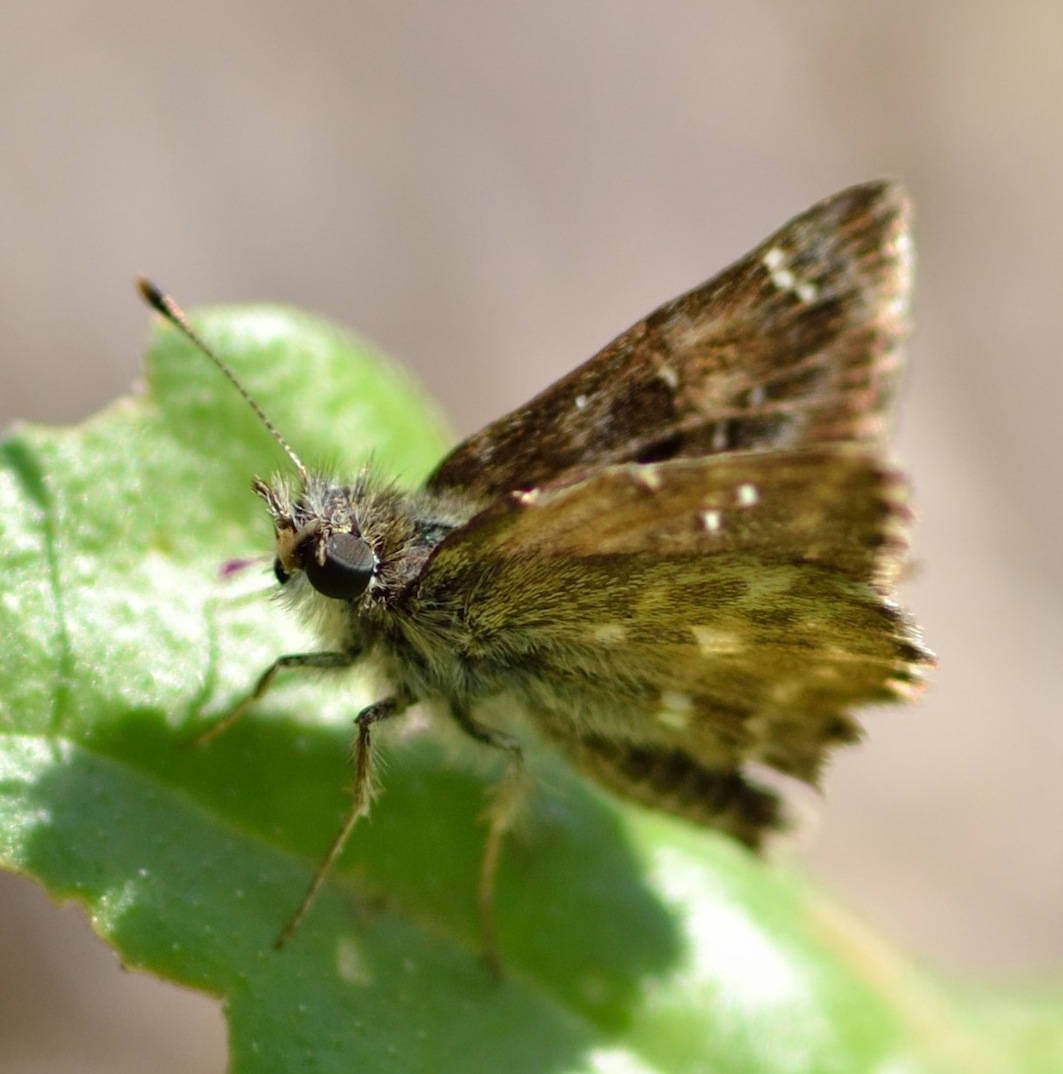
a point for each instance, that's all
(491, 192)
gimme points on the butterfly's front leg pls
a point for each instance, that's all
(265, 682)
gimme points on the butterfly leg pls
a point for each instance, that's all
(507, 797)
(265, 682)
(362, 795)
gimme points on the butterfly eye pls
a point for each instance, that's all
(281, 574)
(349, 564)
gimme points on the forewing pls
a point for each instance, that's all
(797, 344)
(670, 624)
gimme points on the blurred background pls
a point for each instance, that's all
(493, 191)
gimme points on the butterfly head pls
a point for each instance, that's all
(318, 534)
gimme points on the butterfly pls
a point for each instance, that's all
(679, 561)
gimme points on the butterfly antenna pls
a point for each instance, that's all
(162, 303)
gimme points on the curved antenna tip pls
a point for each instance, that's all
(152, 293)
(162, 303)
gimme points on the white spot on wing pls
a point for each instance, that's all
(713, 642)
(774, 259)
(712, 521)
(529, 498)
(581, 402)
(649, 477)
(747, 495)
(676, 709)
(806, 292)
(784, 279)
(669, 376)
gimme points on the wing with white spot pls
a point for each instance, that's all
(797, 344)
(669, 624)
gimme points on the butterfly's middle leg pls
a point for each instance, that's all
(507, 797)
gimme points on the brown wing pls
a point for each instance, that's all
(799, 343)
(669, 624)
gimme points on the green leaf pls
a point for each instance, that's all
(633, 942)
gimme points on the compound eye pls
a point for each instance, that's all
(281, 574)
(349, 564)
